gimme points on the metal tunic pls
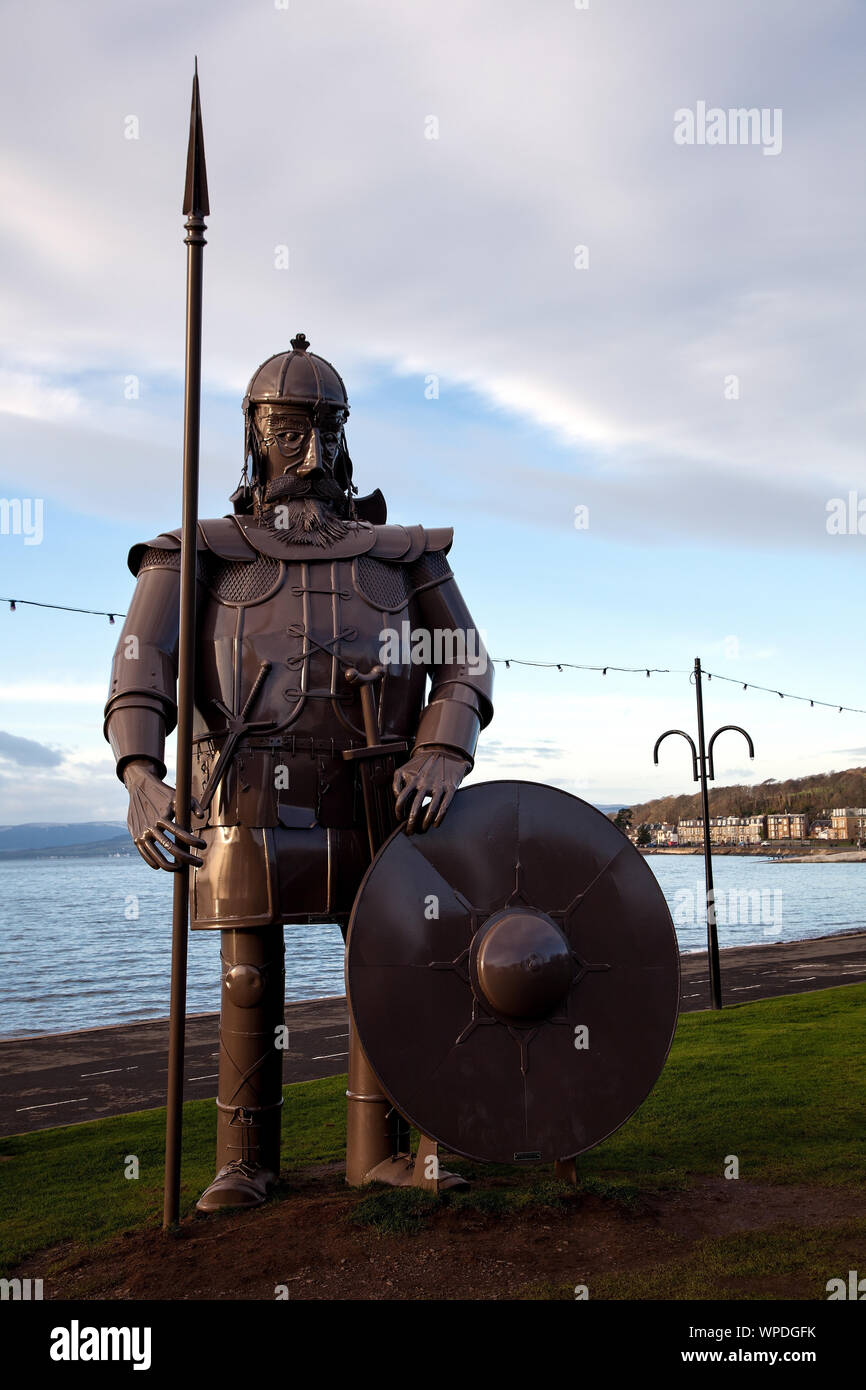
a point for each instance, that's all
(285, 826)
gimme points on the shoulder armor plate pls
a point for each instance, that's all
(220, 535)
(225, 538)
(440, 538)
(406, 544)
(167, 541)
(391, 543)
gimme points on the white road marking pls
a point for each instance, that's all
(735, 989)
(326, 1057)
(46, 1105)
(209, 1077)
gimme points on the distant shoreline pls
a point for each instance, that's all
(123, 847)
(107, 849)
(818, 856)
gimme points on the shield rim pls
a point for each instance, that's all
(445, 1144)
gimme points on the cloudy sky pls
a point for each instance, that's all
(487, 199)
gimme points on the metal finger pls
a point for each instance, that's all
(403, 797)
(417, 807)
(179, 854)
(438, 806)
(154, 856)
(187, 836)
(145, 852)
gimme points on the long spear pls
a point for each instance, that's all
(196, 209)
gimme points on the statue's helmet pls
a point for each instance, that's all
(299, 378)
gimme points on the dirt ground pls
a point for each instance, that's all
(305, 1241)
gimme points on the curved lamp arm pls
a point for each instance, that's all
(690, 742)
(737, 730)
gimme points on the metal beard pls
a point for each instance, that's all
(305, 521)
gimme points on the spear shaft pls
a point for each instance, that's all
(195, 208)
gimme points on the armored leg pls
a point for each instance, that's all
(377, 1135)
(369, 1131)
(249, 1098)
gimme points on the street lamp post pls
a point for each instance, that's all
(704, 771)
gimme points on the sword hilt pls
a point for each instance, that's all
(376, 760)
(366, 680)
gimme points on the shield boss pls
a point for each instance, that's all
(514, 974)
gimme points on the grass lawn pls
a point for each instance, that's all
(741, 1266)
(778, 1083)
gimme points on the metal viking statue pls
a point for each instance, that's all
(511, 967)
(305, 747)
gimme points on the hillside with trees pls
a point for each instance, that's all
(814, 794)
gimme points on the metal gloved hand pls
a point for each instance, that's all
(433, 773)
(151, 820)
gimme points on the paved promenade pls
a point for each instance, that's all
(64, 1078)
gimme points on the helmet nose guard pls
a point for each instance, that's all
(313, 458)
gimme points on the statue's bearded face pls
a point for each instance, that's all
(298, 444)
(298, 449)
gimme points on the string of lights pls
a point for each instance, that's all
(784, 694)
(509, 661)
(61, 607)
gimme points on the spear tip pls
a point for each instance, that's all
(195, 198)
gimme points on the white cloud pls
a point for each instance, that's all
(456, 257)
(456, 253)
(31, 395)
(57, 693)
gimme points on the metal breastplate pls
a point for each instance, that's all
(286, 633)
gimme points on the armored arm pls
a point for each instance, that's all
(460, 702)
(142, 705)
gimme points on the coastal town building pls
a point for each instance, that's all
(691, 832)
(724, 830)
(664, 834)
(848, 823)
(787, 825)
(844, 824)
(738, 830)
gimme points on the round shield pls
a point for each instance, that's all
(514, 974)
